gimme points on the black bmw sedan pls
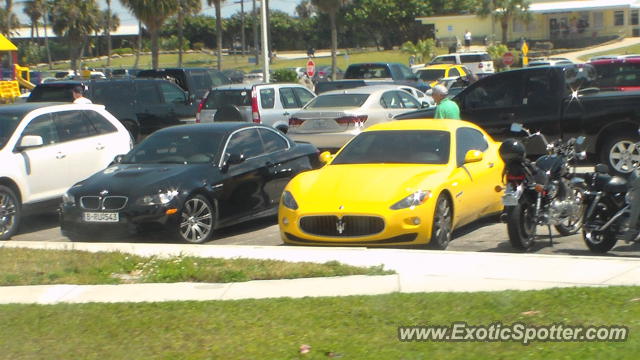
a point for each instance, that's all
(192, 179)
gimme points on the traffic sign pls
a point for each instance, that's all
(311, 68)
(507, 59)
(525, 48)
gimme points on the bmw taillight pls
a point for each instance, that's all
(352, 119)
(255, 111)
(294, 121)
(200, 107)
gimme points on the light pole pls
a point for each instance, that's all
(265, 44)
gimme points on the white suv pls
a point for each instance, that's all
(45, 148)
(479, 61)
(269, 104)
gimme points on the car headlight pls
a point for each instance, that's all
(415, 199)
(289, 201)
(160, 198)
(68, 199)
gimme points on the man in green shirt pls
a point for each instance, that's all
(447, 108)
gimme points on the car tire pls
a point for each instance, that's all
(196, 221)
(10, 212)
(619, 153)
(441, 228)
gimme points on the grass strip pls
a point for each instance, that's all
(46, 267)
(356, 327)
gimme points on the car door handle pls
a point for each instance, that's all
(491, 165)
(99, 147)
(60, 155)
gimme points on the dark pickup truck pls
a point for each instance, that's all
(559, 102)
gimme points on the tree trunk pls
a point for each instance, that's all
(504, 23)
(108, 32)
(46, 40)
(256, 41)
(334, 43)
(72, 56)
(180, 36)
(154, 47)
(38, 39)
(219, 34)
(138, 45)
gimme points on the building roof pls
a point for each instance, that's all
(582, 5)
(25, 32)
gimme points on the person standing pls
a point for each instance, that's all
(78, 95)
(445, 108)
(467, 39)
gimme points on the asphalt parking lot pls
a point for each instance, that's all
(482, 236)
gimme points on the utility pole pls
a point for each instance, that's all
(256, 47)
(242, 37)
(265, 44)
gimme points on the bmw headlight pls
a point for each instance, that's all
(415, 199)
(160, 198)
(289, 201)
(68, 199)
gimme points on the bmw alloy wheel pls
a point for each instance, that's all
(196, 220)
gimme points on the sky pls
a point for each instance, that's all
(229, 7)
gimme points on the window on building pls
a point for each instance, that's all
(598, 20)
(618, 18)
(634, 17)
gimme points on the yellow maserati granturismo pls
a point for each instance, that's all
(405, 182)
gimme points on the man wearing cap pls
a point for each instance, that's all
(446, 108)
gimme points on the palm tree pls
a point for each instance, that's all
(423, 50)
(217, 4)
(8, 20)
(34, 10)
(505, 11)
(186, 7)
(153, 14)
(331, 7)
(75, 20)
(304, 10)
(108, 22)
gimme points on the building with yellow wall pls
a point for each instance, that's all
(550, 20)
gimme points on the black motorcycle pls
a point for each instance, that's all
(609, 203)
(542, 192)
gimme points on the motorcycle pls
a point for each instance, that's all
(609, 202)
(544, 192)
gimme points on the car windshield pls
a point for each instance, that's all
(430, 74)
(176, 148)
(219, 98)
(8, 124)
(337, 100)
(396, 147)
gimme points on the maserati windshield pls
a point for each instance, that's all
(397, 147)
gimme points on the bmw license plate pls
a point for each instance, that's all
(101, 217)
(509, 199)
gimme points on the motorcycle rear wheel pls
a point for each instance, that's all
(521, 226)
(600, 243)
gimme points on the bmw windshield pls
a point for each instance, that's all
(8, 124)
(176, 147)
(396, 147)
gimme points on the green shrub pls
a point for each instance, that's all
(285, 75)
(121, 51)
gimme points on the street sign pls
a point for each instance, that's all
(311, 68)
(507, 59)
(525, 48)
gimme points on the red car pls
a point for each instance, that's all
(622, 74)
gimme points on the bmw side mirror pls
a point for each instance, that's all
(425, 105)
(231, 159)
(117, 159)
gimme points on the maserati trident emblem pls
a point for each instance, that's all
(340, 225)
(104, 192)
(340, 207)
